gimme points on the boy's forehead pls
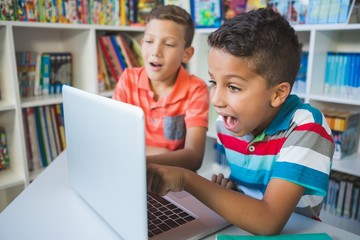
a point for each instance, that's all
(165, 25)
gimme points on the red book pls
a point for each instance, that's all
(107, 57)
(114, 57)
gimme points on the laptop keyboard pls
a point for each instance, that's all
(163, 215)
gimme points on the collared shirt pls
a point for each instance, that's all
(166, 119)
(297, 146)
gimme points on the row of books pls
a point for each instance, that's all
(43, 73)
(45, 134)
(342, 76)
(114, 54)
(345, 130)
(4, 151)
(103, 12)
(206, 13)
(212, 13)
(313, 11)
(300, 80)
(343, 195)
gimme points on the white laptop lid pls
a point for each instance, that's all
(107, 167)
(102, 135)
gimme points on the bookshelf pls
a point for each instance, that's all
(317, 40)
(80, 40)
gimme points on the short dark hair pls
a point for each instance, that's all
(179, 16)
(266, 40)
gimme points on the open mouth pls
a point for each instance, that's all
(155, 64)
(230, 122)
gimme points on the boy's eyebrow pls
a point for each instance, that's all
(231, 76)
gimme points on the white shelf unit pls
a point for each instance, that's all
(317, 40)
(80, 40)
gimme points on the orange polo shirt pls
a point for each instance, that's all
(166, 119)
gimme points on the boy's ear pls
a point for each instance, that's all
(280, 93)
(188, 53)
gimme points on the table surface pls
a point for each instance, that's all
(49, 209)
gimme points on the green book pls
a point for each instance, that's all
(302, 236)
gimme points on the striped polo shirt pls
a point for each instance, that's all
(166, 119)
(297, 146)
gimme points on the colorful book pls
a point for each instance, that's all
(21, 10)
(206, 13)
(103, 71)
(231, 8)
(185, 4)
(144, 7)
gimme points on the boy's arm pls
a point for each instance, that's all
(264, 217)
(190, 156)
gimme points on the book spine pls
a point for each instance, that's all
(49, 154)
(33, 141)
(60, 123)
(50, 131)
(55, 128)
(40, 138)
(108, 58)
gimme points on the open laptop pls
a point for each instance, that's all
(107, 168)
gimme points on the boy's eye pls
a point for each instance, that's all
(212, 83)
(170, 44)
(233, 88)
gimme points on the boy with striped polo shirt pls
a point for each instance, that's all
(175, 103)
(279, 149)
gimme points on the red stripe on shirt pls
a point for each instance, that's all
(316, 128)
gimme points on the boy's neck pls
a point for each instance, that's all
(161, 89)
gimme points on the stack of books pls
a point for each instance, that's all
(345, 129)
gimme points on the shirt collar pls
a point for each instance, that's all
(283, 117)
(180, 89)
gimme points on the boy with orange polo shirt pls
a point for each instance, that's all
(175, 103)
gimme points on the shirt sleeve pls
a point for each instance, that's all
(121, 88)
(305, 158)
(198, 109)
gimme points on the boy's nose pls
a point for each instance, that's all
(216, 98)
(156, 50)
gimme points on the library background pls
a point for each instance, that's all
(88, 43)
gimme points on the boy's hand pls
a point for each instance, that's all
(162, 179)
(222, 181)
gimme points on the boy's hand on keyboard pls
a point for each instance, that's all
(222, 181)
(162, 179)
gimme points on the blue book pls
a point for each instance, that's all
(45, 72)
(328, 74)
(313, 12)
(334, 11)
(348, 60)
(118, 52)
(324, 11)
(356, 83)
(340, 74)
(344, 11)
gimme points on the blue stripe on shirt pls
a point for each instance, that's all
(315, 182)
